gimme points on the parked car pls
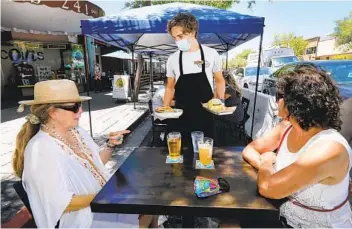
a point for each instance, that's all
(247, 77)
(339, 70)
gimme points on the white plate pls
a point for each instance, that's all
(227, 111)
(167, 115)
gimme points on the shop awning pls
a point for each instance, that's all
(46, 17)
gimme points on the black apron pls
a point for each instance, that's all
(190, 91)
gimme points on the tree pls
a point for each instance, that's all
(298, 44)
(343, 32)
(283, 40)
(214, 3)
(240, 60)
(244, 54)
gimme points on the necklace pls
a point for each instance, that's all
(53, 133)
(83, 153)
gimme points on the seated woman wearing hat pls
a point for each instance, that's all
(312, 161)
(61, 167)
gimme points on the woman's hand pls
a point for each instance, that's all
(116, 138)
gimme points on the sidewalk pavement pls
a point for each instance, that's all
(106, 116)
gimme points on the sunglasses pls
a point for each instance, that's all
(74, 108)
(279, 96)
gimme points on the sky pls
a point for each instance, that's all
(303, 18)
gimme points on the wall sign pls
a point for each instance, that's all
(17, 56)
(120, 87)
(43, 73)
(77, 56)
(84, 7)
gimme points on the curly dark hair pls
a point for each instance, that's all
(187, 21)
(311, 97)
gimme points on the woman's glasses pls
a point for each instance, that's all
(74, 108)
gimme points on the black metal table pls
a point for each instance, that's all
(145, 184)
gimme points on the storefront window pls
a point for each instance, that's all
(24, 63)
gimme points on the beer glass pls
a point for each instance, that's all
(174, 145)
(196, 136)
(205, 150)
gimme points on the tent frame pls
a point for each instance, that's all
(223, 46)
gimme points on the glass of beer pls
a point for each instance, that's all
(174, 145)
(205, 150)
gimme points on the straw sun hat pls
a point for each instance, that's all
(55, 91)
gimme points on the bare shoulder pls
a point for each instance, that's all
(282, 127)
(326, 150)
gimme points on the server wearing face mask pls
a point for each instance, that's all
(194, 77)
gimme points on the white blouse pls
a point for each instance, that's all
(317, 195)
(53, 173)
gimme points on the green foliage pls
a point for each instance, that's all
(343, 32)
(283, 40)
(298, 44)
(244, 54)
(240, 60)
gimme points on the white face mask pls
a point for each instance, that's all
(184, 44)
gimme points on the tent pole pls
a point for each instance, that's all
(133, 94)
(160, 69)
(227, 56)
(86, 64)
(151, 73)
(256, 84)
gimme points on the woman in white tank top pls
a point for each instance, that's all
(312, 160)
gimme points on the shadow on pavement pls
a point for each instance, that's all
(10, 201)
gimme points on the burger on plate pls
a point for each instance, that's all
(216, 105)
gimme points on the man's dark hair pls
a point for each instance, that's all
(187, 21)
(311, 97)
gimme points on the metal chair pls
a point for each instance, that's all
(22, 194)
(156, 126)
(241, 126)
(24, 197)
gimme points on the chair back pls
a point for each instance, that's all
(22, 194)
(150, 105)
(245, 104)
(18, 186)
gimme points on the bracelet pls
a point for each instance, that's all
(110, 146)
